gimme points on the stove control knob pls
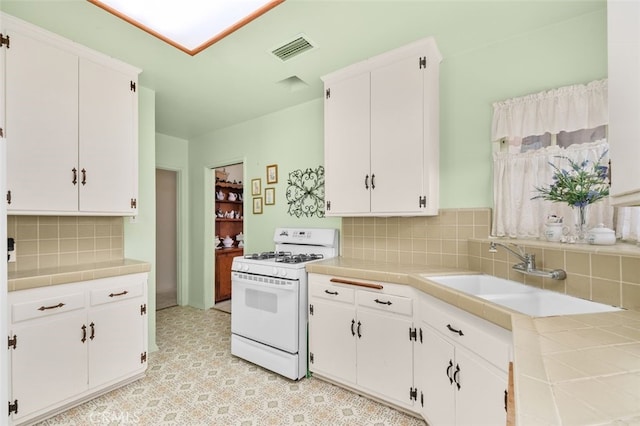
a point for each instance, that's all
(283, 272)
(244, 267)
(275, 271)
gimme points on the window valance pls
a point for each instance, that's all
(566, 109)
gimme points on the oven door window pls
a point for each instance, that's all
(261, 300)
(266, 313)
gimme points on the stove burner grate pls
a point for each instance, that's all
(298, 258)
(267, 255)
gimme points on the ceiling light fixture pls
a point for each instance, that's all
(189, 25)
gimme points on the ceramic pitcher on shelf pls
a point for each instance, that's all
(220, 195)
(233, 196)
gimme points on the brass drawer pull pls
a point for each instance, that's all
(119, 294)
(44, 308)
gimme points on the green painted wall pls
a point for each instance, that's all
(292, 139)
(571, 52)
(140, 233)
(173, 154)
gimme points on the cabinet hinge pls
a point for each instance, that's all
(420, 334)
(4, 40)
(422, 201)
(134, 203)
(12, 342)
(13, 408)
(413, 334)
(328, 205)
(1, 133)
(143, 357)
(132, 86)
(311, 357)
(421, 399)
(310, 309)
(143, 309)
(8, 197)
(422, 62)
(413, 394)
(327, 93)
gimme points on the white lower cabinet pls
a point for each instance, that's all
(461, 366)
(362, 338)
(73, 341)
(408, 349)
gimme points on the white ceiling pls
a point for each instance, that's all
(238, 79)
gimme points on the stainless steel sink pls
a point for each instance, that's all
(519, 297)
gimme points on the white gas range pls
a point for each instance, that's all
(269, 304)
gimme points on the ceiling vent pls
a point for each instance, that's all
(293, 83)
(299, 44)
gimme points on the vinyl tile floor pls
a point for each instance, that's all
(194, 380)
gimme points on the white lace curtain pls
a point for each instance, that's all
(516, 175)
(565, 109)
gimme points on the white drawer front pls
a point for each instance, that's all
(121, 289)
(46, 306)
(489, 341)
(385, 302)
(332, 292)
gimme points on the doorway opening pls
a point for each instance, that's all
(166, 238)
(228, 218)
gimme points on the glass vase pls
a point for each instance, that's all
(581, 221)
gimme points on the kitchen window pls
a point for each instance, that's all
(532, 131)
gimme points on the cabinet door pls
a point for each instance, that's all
(481, 399)
(49, 363)
(41, 125)
(624, 100)
(347, 143)
(116, 341)
(108, 156)
(116, 328)
(437, 366)
(332, 341)
(223, 274)
(385, 355)
(397, 139)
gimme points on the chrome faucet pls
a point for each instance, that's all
(528, 265)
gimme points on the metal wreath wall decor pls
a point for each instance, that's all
(305, 193)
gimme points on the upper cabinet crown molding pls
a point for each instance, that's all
(11, 23)
(381, 127)
(71, 126)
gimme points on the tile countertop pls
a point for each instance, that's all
(570, 370)
(22, 280)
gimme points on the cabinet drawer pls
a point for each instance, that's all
(47, 306)
(332, 292)
(118, 290)
(385, 302)
(489, 341)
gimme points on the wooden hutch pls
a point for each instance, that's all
(229, 214)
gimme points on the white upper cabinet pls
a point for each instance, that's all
(382, 134)
(624, 100)
(108, 136)
(71, 127)
(42, 125)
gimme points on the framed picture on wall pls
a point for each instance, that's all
(256, 186)
(269, 196)
(257, 205)
(272, 173)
